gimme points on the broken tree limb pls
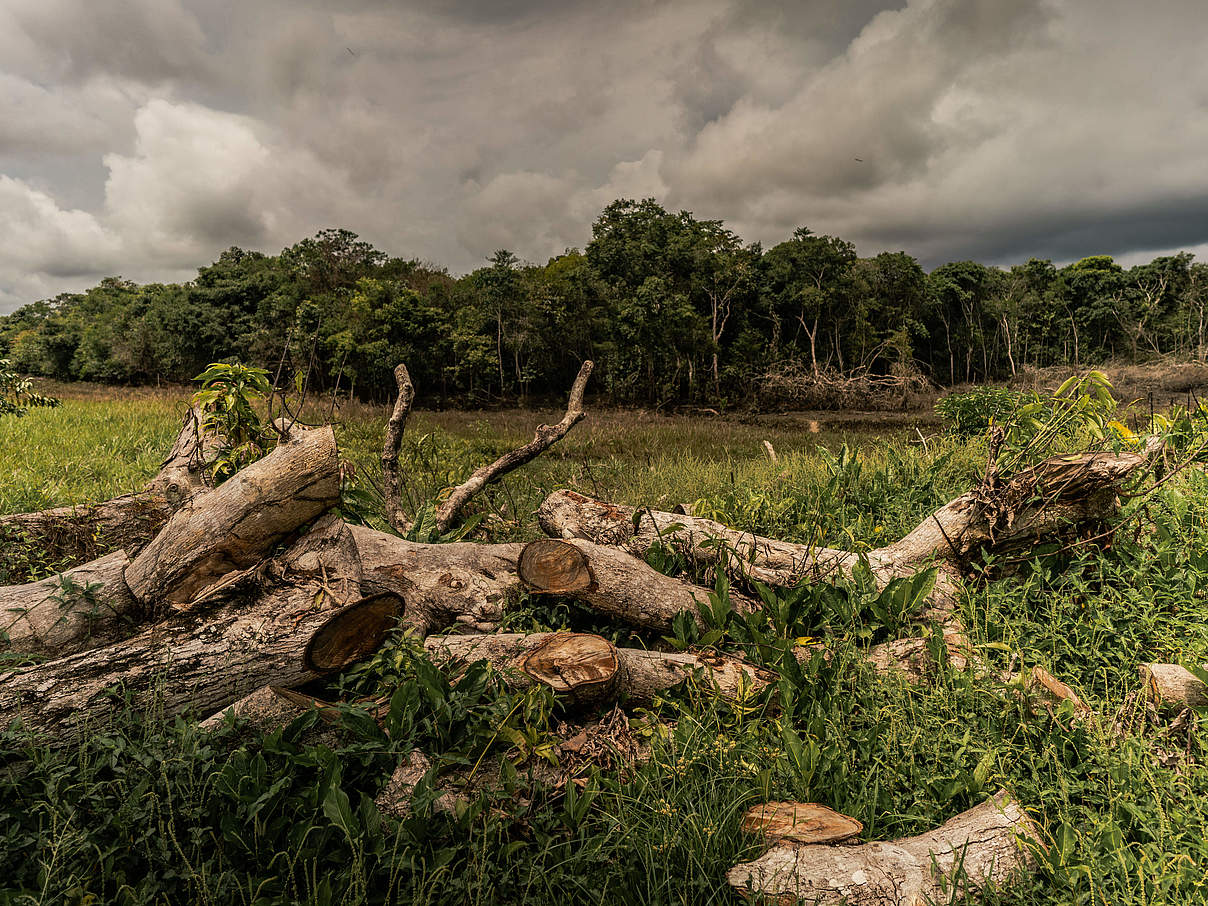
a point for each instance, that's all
(615, 583)
(545, 437)
(979, 847)
(588, 669)
(391, 486)
(257, 632)
(1171, 686)
(234, 527)
(75, 609)
(81, 532)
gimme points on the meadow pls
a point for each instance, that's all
(156, 811)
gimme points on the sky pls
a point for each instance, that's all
(142, 137)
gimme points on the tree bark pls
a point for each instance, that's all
(615, 583)
(1171, 686)
(589, 670)
(78, 608)
(977, 848)
(392, 492)
(463, 584)
(259, 631)
(234, 526)
(1035, 504)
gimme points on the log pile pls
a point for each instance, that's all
(222, 599)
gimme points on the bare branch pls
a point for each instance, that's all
(395, 514)
(546, 436)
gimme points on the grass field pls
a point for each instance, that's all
(153, 811)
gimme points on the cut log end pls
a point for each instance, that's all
(800, 822)
(1172, 686)
(555, 567)
(354, 633)
(572, 662)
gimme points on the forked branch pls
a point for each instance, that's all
(395, 514)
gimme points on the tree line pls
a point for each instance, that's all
(674, 309)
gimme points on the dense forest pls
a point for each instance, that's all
(674, 309)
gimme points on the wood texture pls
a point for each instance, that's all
(1172, 686)
(234, 526)
(615, 583)
(637, 677)
(79, 608)
(976, 848)
(253, 634)
(800, 822)
(392, 492)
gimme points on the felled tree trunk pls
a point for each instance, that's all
(588, 669)
(78, 608)
(234, 526)
(1171, 686)
(1035, 504)
(443, 585)
(967, 853)
(80, 532)
(291, 621)
(614, 583)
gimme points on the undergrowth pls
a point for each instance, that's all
(155, 811)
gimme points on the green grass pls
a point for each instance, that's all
(156, 812)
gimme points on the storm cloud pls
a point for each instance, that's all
(142, 137)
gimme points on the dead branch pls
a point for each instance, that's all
(546, 436)
(392, 490)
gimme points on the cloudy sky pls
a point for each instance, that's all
(142, 137)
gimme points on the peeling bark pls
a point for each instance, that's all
(800, 822)
(976, 848)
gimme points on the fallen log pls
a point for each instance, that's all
(977, 848)
(614, 583)
(259, 631)
(1038, 503)
(233, 527)
(463, 584)
(78, 608)
(456, 498)
(81, 532)
(588, 669)
(1171, 686)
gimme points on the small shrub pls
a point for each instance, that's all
(227, 398)
(973, 412)
(16, 393)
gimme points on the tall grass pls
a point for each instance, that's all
(154, 811)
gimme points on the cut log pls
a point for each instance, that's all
(463, 584)
(800, 822)
(256, 633)
(264, 710)
(1171, 686)
(81, 532)
(588, 669)
(233, 527)
(395, 798)
(79, 608)
(615, 583)
(971, 851)
(1059, 495)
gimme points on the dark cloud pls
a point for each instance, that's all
(144, 136)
